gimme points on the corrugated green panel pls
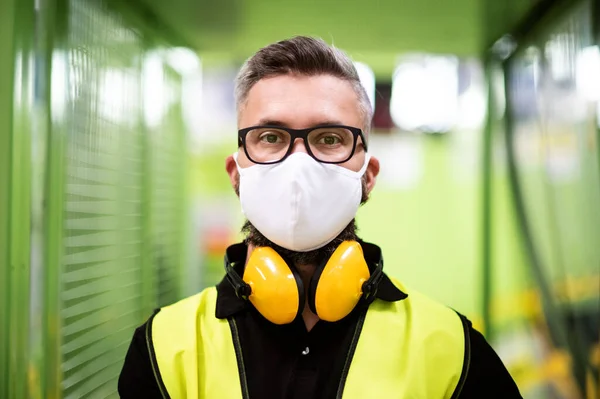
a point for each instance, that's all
(19, 194)
(6, 81)
(102, 264)
(168, 160)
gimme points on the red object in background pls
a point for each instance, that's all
(382, 119)
(215, 240)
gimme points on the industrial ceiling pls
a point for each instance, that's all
(372, 31)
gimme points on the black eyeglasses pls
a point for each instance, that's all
(327, 144)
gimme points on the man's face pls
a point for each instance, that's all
(300, 102)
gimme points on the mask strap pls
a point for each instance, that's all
(362, 170)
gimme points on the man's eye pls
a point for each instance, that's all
(270, 138)
(329, 140)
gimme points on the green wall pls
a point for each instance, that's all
(92, 198)
(15, 111)
(7, 13)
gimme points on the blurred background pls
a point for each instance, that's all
(116, 117)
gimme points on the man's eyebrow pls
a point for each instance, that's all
(275, 122)
(329, 122)
(271, 122)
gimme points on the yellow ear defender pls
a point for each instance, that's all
(276, 290)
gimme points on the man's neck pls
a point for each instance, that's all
(306, 273)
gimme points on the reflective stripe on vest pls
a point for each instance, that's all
(194, 350)
(414, 348)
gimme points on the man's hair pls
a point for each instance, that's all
(301, 55)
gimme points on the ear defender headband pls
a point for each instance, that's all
(276, 290)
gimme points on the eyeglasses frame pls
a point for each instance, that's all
(303, 134)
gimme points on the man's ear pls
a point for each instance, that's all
(234, 176)
(371, 173)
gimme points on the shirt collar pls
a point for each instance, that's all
(229, 304)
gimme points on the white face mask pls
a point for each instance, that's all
(300, 204)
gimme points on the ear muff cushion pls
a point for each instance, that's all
(277, 290)
(339, 286)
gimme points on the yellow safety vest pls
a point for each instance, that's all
(414, 348)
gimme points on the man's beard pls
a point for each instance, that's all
(314, 257)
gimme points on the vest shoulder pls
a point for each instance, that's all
(429, 315)
(183, 311)
(422, 301)
(417, 298)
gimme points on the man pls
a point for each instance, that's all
(305, 310)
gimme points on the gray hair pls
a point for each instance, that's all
(305, 56)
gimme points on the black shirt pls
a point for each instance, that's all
(288, 362)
